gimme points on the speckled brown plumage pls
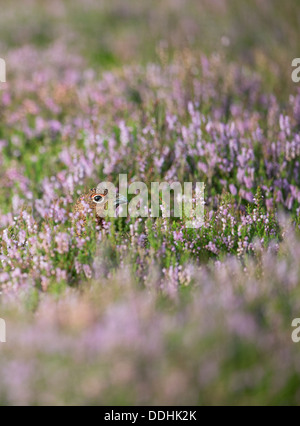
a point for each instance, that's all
(88, 199)
(96, 202)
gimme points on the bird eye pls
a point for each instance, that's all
(98, 198)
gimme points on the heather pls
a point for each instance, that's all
(148, 311)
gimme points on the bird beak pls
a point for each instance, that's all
(120, 200)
